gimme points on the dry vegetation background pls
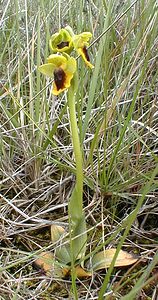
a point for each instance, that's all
(117, 109)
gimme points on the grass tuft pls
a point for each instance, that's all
(117, 117)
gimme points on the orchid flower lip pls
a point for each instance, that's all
(59, 78)
(81, 44)
(84, 49)
(62, 45)
(62, 67)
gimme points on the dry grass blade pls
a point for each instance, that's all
(117, 113)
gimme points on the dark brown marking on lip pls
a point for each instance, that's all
(62, 45)
(86, 53)
(59, 78)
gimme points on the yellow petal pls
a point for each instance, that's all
(63, 68)
(69, 76)
(66, 84)
(57, 60)
(83, 52)
(81, 40)
(64, 74)
(71, 65)
(61, 41)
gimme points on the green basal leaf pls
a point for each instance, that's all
(78, 225)
(62, 252)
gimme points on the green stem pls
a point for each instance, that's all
(76, 215)
(76, 147)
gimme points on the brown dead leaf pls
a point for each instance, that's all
(103, 259)
(47, 263)
(56, 232)
(81, 273)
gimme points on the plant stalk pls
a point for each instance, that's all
(76, 148)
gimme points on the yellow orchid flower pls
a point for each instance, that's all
(63, 68)
(80, 43)
(61, 42)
